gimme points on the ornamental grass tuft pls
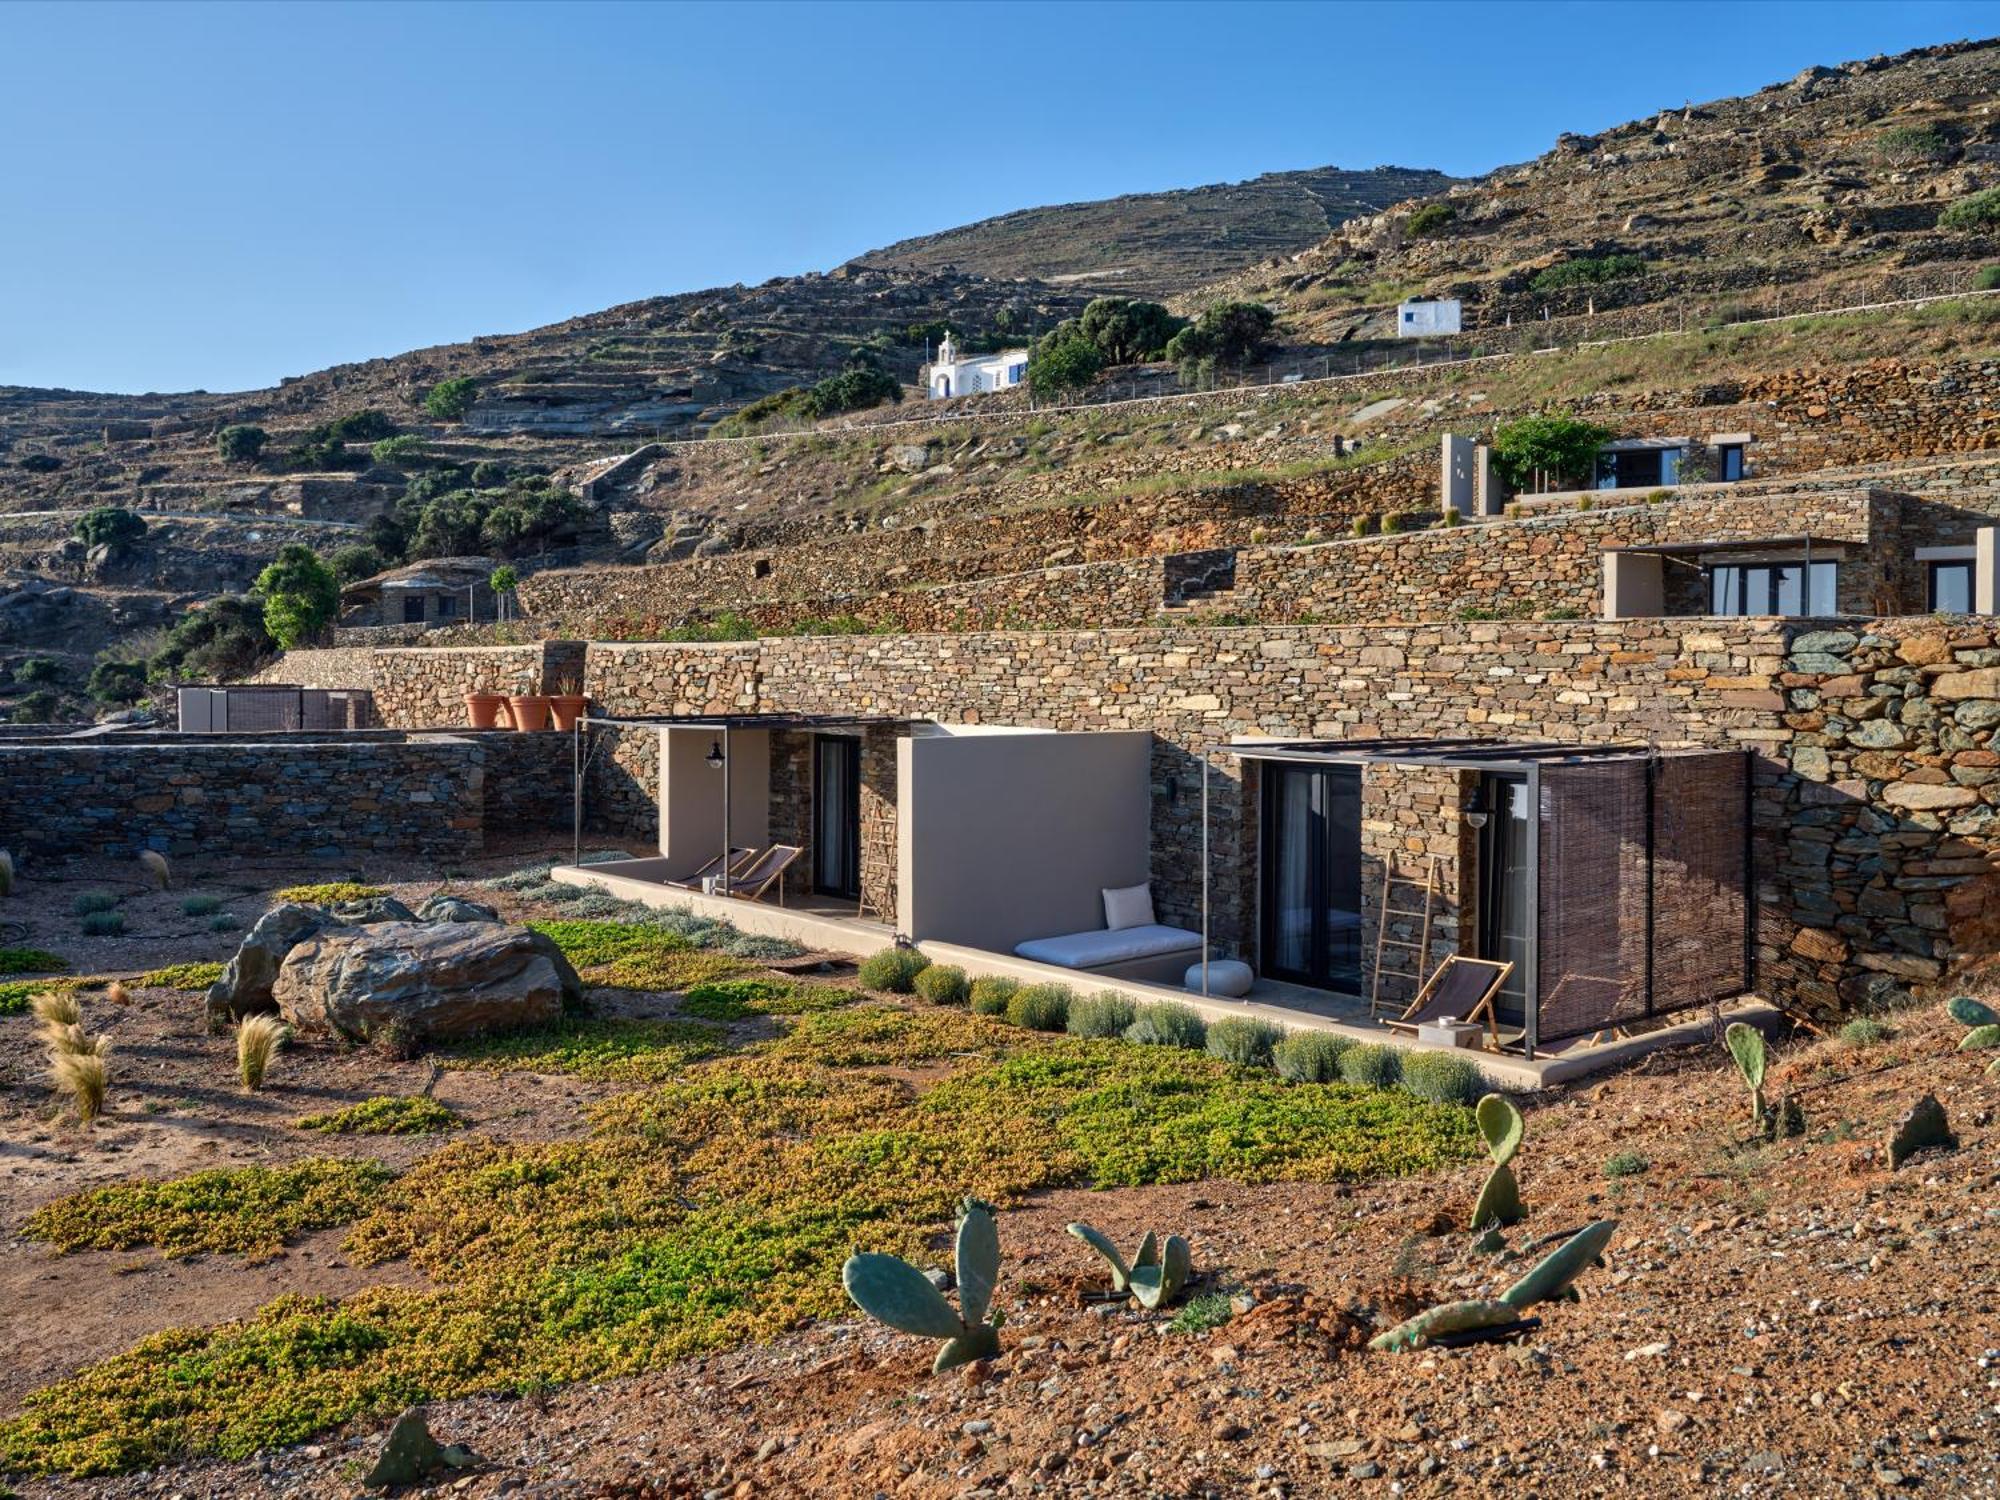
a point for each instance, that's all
(1168, 1023)
(893, 970)
(1040, 1007)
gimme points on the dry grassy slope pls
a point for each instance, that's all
(1159, 244)
(1793, 185)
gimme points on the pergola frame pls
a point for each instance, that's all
(718, 724)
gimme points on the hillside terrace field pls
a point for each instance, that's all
(611, 1250)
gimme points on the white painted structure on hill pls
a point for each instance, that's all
(948, 375)
(1420, 317)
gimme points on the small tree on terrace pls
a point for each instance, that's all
(299, 593)
(1539, 453)
(109, 526)
(503, 581)
(1062, 360)
(241, 444)
(450, 400)
(1127, 329)
(1228, 334)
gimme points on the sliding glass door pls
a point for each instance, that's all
(836, 843)
(1506, 919)
(1312, 875)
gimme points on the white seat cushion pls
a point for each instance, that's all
(1093, 950)
(1128, 906)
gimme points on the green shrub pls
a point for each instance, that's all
(1987, 280)
(91, 901)
(1310, 1056)
(38, 707)
(103, 924)
(1105, 1015)
(1431, 220)
(38, 669)
(943, 984)
(1864, 1031)
(1361, 526)
(1625, 1164)
(224, 921)
(1442, 1078)
(41, 463)
(990, 995)
(1168, 1024)
(1588, 271)
(1244, 1040)
(893, 969)
(1452, 517)
(241, 443)
(1977, 211)
(1371, 1064)
(1550, 446)
(1201, 1313)
(1040, 1007)
(300, 595)
(1911, 145)
(395, 450)
(450, 400)
(117, 681)
(201, 906)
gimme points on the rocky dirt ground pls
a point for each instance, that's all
(1772, 1319)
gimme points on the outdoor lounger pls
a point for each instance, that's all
(737, 859)
(1463, 989)
(749, 882)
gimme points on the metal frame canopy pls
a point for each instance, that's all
(1756, 544)
(718, 724)
(1591, 793)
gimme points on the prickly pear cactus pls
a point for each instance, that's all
(1451, 1317)
(1746, 1045)
(892, 1291)
(1501, 1127)
(1981, 1039)
(1554, 1274)
(1969, 1012)
(1121, 1274)
(1158, 1284)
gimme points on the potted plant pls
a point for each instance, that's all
(483, 710)
(567, 703)
(530, 711)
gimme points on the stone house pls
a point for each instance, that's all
(437, 591)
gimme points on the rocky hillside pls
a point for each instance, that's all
(1828, 187)
(1160, 244)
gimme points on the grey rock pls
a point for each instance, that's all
(1923, 1125)
(374, 909)
(442, 908)
(246, 984)
(438, 979)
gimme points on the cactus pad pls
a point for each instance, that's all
(1969, 1012)
(975, 1343)
(1450, 1317)
(1746, 1045)
(1980, 1039)
(1554, 1273)
(977, 1261)
(1121, 1275)
(1157, 1285)
(1500, 1123)
(893, 1291)
(1499, 1201)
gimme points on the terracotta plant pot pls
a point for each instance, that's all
(531, 711)
(566, 708)
(483, 710)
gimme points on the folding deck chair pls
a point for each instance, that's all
(737, 858)
(749, 882)
(1462, 988)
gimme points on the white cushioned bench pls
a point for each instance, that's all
(1149, 951)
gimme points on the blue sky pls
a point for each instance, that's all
(214, 196)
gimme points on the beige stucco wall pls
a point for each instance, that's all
(1006, 837)
(691, 796)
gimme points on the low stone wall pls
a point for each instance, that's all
(416, 688)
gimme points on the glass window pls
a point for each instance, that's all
(1729, 461)
(1950, 591)
(1789, 589)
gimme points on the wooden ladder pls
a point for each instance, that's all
(1395, 879)
(878, 871)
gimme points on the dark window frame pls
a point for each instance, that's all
(849, 748)
(1932, 568)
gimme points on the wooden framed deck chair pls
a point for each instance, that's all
(751, 881)
(737, 859)
(1462, 988)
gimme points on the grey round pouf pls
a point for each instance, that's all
(1226, 976)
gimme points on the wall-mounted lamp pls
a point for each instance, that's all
(714, 756)
(1475, 810)
(1475, 820)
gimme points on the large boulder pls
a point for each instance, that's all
(245, 986)
(431, 979)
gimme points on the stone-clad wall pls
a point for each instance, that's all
(334, 799)
(1877, 778)
(424, 689)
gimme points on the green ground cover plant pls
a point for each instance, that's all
(249, 1211)
(712, 1208)
(386, 1114)
(31, 961)
(734, 999)
(635, 956)
(196, 976)
(330, 892)
(16, 993)
(592, 1047)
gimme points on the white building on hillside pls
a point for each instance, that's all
(1420, 317)
(948, 375)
